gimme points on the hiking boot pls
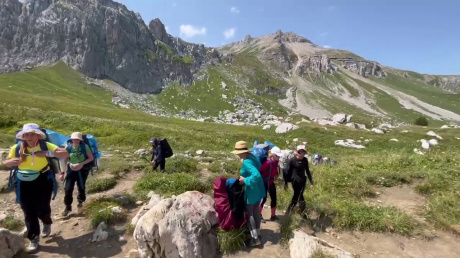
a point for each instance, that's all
(79, 205)
(274, 218)
(256, 242)
(33, 246)
(46, 231)
(262, 219)
(66, 212)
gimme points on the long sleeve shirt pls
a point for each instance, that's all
(299, 170)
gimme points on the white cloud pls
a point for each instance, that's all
(327, 46)
(229, 33)
(323, 34)
(234, 10)
(189, 31)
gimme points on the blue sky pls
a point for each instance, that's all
(417, 35)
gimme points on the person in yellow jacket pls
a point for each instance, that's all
(34, 180)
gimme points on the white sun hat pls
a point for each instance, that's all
(30, 128)
(276, 151)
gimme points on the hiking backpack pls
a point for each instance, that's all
(53, 164)
(90, 141)
(166, 148)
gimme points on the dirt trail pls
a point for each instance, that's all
(435, 243)
(70, 236)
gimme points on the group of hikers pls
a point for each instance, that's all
(259, 179)
(36, 185)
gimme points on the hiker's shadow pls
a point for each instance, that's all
(80, 246)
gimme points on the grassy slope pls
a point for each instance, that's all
(339, 191)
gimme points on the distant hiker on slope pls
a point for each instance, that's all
(34, 180)
(269, 172)
(158, 157)
(77, 171)
(297, 174)
(254, 189)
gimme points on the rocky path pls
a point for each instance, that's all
(71, 236)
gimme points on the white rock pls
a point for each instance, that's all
(295, 140)
(351, 125)
(425, 144)
(340, 118)
(117, 209)
(142, 152)
(378, 131)
(431, 133)
(349, 144)
(10, 243)
(417, 151)
(182, 226)
(200, 152)
(266, 127)
(285, 127)
(121, 239)
(458, 138)
(385, 126)
(433, 142)
(302, 245)
(349, 118)
(445, 127)
(100, 234)
(224, 96)
(326, 122)
(224, 85)
(394, 140)
(361, 126)
(405, 131)
(154, 200)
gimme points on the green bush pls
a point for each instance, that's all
(232, 240)
(101, 211)
(11, 223)
(182, 165)
(422, 121)
(169, 184)
(96, 185)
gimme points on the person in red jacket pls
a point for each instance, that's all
(269, 171)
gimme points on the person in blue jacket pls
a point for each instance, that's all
(254, 188)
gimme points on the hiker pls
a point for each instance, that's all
(298, 172)
(34, 180)
(77, 171)
(317, 159)
(269, 171)
(158, 158)
(254, 188)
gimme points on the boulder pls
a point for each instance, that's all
(351, 125)
(200, 152)
(394, 140)
(302, 245)
(10, 243)
(425, 144)
(142, 152)
(182, 227)
(433, 142)
(349, 144)
(433, 134)
(417, 151)
(154, 200)
(361, 126)
(266, 127)
(378, 131)
(285, 127)
(340, 118)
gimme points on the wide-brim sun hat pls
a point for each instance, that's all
(240, 147)
(30, 128)
(276, 151)
(76, 136)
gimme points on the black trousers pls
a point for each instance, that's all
(161, 163)
(72, 178)
(35, 200)
(272, 192)
(299, 188)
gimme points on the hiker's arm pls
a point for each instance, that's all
(289, 173)
(12, 161)
(254, 174)
(61, 153)
(90, 156)
(307, 169)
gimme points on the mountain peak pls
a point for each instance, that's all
(290, 37)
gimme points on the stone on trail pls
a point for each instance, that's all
(10, 243)
(182, 226)
(302, 245)
(100, 234)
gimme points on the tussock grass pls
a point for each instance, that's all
(96, 185)
(101, 211)
(181, 165)
(287, 225)
(11, 223)
(233, 240)
(319, 253)
(169, 184)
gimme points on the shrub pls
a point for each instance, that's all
(101, 211)
(422, 121)
(233, 240)
(11, 223)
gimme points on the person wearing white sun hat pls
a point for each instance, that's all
(34, 179)
(269, 172)
(77, 171)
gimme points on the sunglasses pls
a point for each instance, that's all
(302, 152)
